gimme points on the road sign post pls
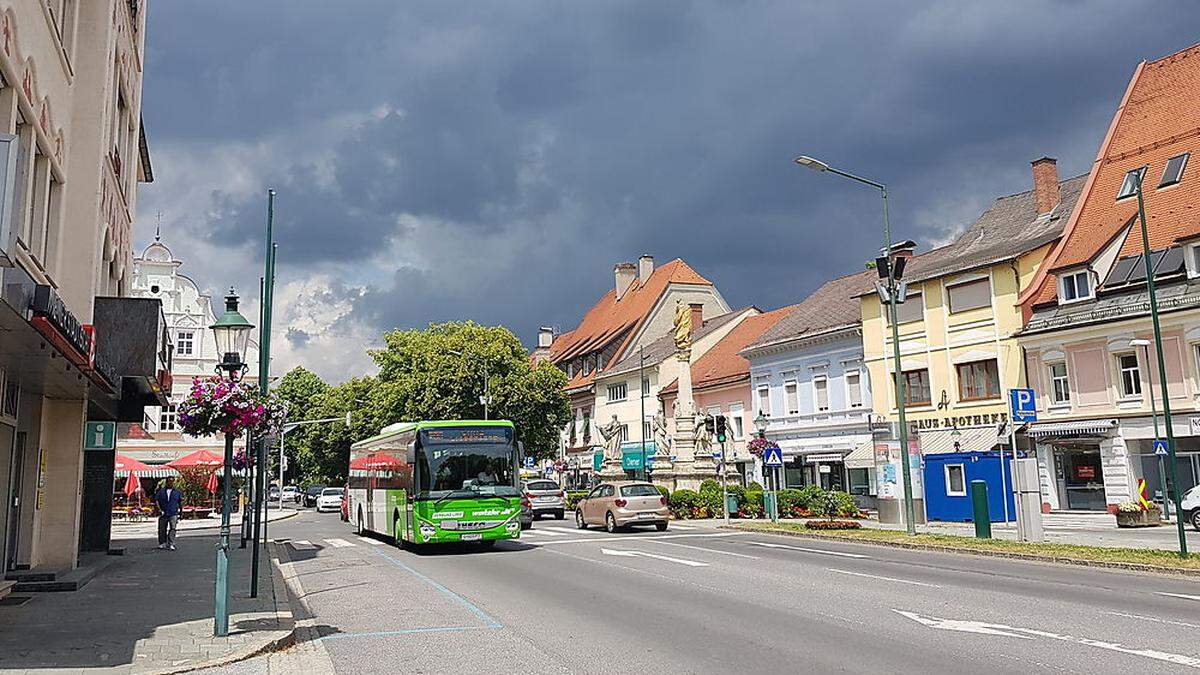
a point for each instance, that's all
(1022, 408)
(773, 461)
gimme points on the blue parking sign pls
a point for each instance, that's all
(773, 457)
(1023, 405)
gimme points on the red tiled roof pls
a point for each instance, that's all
(1158, 119)
(722, 363)
(610, 319)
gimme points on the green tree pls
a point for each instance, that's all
(299, 389)
(325, 452)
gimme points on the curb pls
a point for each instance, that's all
(283, 614)
(1034, 557)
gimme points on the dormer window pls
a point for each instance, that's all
(1075, 286)
(1174, 171)
(1130, 185)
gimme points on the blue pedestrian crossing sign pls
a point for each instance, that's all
(773, 457)
(1160, 447)
(1023, 405)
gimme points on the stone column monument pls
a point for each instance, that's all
(682, 469)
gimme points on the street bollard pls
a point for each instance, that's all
(979, 500)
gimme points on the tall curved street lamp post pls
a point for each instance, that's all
(894, 269)
(232, 334)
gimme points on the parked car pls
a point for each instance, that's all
(1191, 506)
(330, 499)
(273, 493)
(546, 498)
(312, 493)
(526, 517)
(620, 505)
(292, 494)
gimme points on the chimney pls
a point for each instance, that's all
(697, 315)
(624, 273)
(645, 268)
(1045, 184)
(545, 337)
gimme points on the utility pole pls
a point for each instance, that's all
(642, 390)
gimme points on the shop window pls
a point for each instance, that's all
(1060, 389)
(916, 387)
(978, 380)
(1131, 375)
(956, 480)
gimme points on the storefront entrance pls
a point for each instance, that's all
(10, 480)
(1080, 478)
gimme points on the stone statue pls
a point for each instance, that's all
(662, 441)
(703, 438)
(683, 326)
(611, 433)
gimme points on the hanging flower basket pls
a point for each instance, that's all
(758, 446)
(218, 406)
(242, 461)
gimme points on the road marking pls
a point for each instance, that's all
(488, 620)
(999, 629)
(701, 548)
(543, 533)
(338, 543)
(682, 527)
(302, 545)
(639, 537)
(1139, 617)
(1179, 595)
(874, 576)
(807, 550)
(373, 542)
(563, 530)
(643, 554)
(405, 631)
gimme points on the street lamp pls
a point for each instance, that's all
(760, 424)
(232, 334)
(890, 270)
(1162, 367)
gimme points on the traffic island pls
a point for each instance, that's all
(1142, 560)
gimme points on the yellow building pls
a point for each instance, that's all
(959, 353)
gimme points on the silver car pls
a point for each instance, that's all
(545, 498)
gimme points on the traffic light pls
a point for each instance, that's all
(709, 425)
(721, 428)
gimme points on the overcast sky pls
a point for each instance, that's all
(493, 160)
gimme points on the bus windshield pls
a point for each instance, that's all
(466, 470)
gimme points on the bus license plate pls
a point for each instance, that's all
(472, 537)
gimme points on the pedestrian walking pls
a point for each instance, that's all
(169, 501)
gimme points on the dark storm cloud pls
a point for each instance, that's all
(591, 132)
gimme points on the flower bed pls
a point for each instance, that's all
(832, 525)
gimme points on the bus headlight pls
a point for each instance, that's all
(512, 526)
(427, 531)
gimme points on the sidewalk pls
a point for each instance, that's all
(149, 527)
(150, 611)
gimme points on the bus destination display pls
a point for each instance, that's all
(467, 435)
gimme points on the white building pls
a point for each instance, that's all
(189, 313)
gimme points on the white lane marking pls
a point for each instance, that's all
(807, 550)
(563, 530)
(1140, 617)
(302, 544)
(338, 543)
(1179, 595)
(999, 629)
(643, 554)
(673, 526)
(543, 533)
(373, 542)
(875, 576)
(701, 548)
(639, 537)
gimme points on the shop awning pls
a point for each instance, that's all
(862, 457)
(123, 466)
(1076, 428)
(974, 439)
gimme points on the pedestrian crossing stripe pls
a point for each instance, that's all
(301, 545)
(373, 542)
(564, 530)
(543, 533)
(682, 527)
(338, 543)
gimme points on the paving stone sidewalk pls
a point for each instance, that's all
(150, 611)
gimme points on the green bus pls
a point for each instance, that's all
(437, 482)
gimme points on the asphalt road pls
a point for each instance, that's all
(705, 600)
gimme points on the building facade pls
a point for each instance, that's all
(958, 325)
(188, 310)
(1089, 344)
(70, 109)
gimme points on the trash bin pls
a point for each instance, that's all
(731, 505)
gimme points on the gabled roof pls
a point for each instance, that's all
(1157, 119)
(663, 347)
(610, 320)
(833, 305)
(723, 363)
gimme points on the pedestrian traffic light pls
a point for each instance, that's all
(709, 425)
(721, 428)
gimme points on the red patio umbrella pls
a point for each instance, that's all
(124, 464)
(199, 458)
(212, 486)
(132, 485)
